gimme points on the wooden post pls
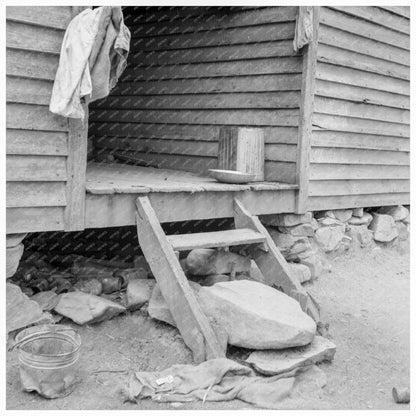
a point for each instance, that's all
(305, 117)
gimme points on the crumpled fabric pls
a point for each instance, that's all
(93, 56)
(219, 379)
(304, 27)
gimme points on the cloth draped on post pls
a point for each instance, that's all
(304, 27)
(93, 56)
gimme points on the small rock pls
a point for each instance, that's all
(314, 224)
(214, 278)
(360, 234)
(402, 230)
(398, 213)
(315, 262)
(301, 272)
(46, 300)
(329, 238)
(407, 220)
(139, 292)
(273, 362)
(83, 308)
(286, 220)
(301, 245)
(364, 220)
(358, 212)
(131, 274)
(322, 214)
(327, 222)
(343, 214)
(205, 262)
(303, 230)
(384, 228)
(91, 286)
(283, 241)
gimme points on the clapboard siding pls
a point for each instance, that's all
(360, 133)
(36, 140)
(189, 74)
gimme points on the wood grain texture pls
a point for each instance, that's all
(34, 219)
(32, 142)
(29, 91)
(56, 17)
(35, 194)
(35, 168)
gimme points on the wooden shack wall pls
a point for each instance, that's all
(39, 157)
(359, 152)
(191, 71)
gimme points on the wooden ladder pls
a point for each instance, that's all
(159, 250)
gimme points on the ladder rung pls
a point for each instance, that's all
(182, 242)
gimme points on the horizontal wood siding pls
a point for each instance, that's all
(191, 73)
(36, 139)
(361, 123)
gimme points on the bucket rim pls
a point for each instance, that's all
(65, 337)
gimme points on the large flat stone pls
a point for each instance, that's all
(305, 230)
(342, 214)
(273, 362)
(384, 228)
(364, 220)
(257, 316)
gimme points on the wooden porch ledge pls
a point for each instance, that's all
(114, 178)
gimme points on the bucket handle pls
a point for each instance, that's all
(36, 334)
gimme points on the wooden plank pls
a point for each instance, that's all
(358, 187)
(379, 16)
(215, 69)
(282, 48)
(35, 168)
(118, 209)
(343, 172)
(191, 132)
(346, 108)
(35, 219)
(344, 40)
(305, 116)
(32, 142)
(33, 38)
(341, 57)
(56, 17)
(360, 94)
(276, 100)
(31, 64)
(184, 242)
(282, 117)
(359, 141)
(403, 11)
(364, 28)
(272, 263)
(34, 117)
(280, 172)
(35, 194)
(76, 170)
(218, 21)
(231, 84)
(261, 33)
(29, 91)
(186, 311)
(357, 125)
(358, 156)
(359, 78)
(357, 201)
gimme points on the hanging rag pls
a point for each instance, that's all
(304, 27)
(219, 379)
(93, 56)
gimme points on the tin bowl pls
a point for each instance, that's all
(232, 176)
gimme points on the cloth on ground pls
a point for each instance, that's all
(218, 379)
(93, 56)
(304, 27)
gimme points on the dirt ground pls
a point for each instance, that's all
(365, 299)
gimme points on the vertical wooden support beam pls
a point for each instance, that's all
(76, 165)
(305, 117)
(191, 321)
